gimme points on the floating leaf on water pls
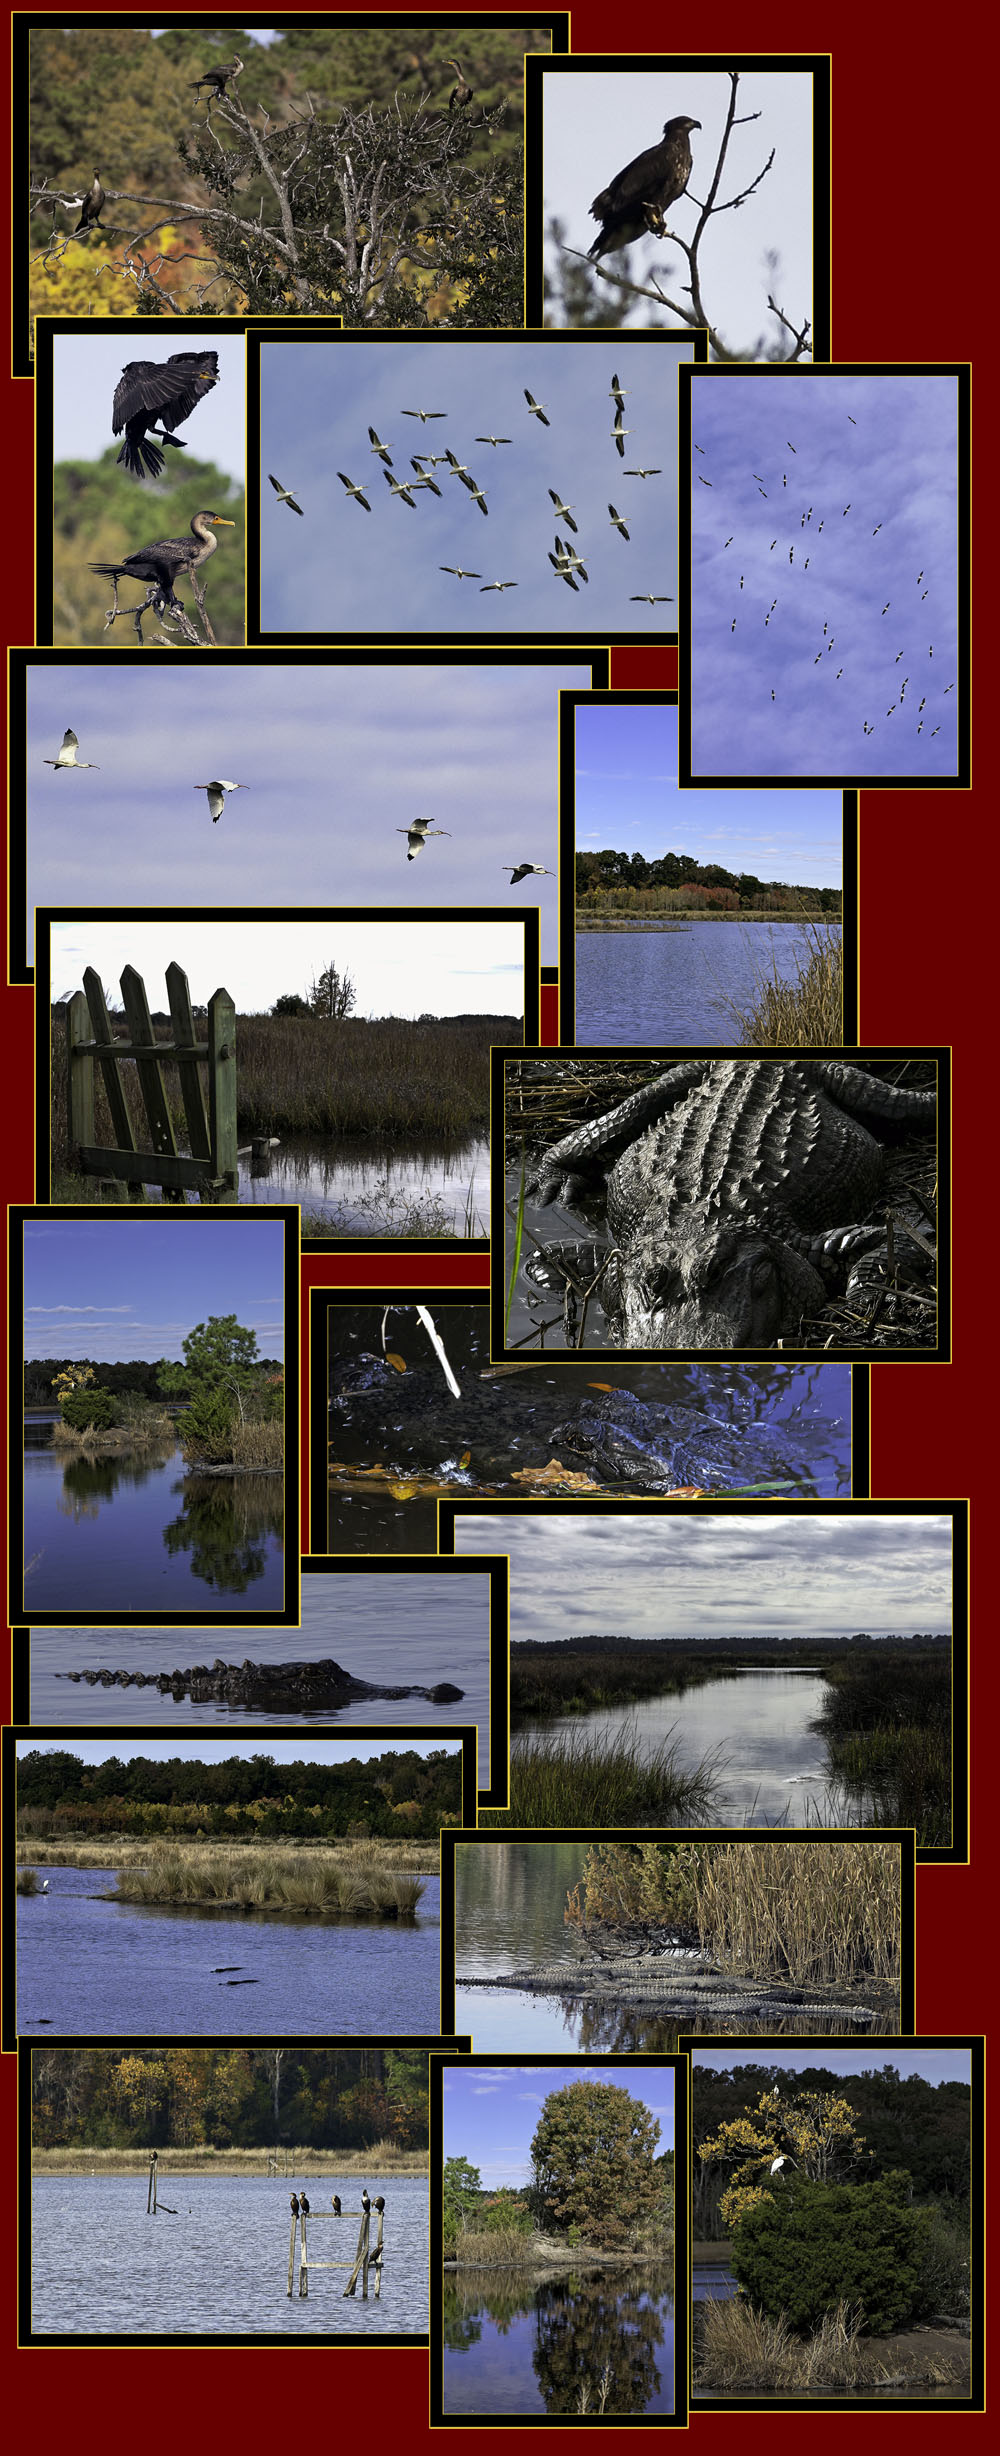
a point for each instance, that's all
(403, 1492)
(397, 1362)
(465, 1458)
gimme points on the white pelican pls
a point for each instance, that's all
(422, 478)
(568, 554)
(527, 869)
(356, 491)
(562, 567)
(458, 573)
(217, 792)
(618, 393)
(500, 584)
(478, 497)
(416, 835)
(619, 433)
(380, 448)
(423, 414)
(67, 754)
(563, 510)
(399, 486)
(435, 460)
(647, 598)
(617, 521)
(284, 496)
(642, 473)
(493, 439)
(536, 409)
(460, 469)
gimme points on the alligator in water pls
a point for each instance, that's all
(658, 1985)
(732, 1184)
(406, 1422)
(313, 1685)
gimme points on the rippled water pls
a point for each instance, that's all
(650, 988)
(368, 1189)
(758, 1719)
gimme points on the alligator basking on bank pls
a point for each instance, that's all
(734, 1188)
(498, 1426)
(279, 1685)
(673, 1985)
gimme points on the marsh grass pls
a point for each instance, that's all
(374, 1854)
(270, 1880)
(887, 1721)
(816, 1913)
(383, 2158)
(806, 1012)
(740, 2348)
(591, 1779)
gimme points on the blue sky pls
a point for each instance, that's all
(932, 2064)
(596, 120)
(491, 2111)
(703, 1577)
(85, 370)
(765, 451)
(118, 1289)
(411, 967)
(218, 1752)
(334, 758)
(340, 569)
(628, 800)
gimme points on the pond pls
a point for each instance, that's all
(758, 1719)
(647, 988)
(121, 1531)
(514, 2347)
(90, 1967)
(218, 2265)
(371, 1190)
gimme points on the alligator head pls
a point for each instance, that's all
(711, 1287)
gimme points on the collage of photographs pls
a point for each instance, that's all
(582, 1764)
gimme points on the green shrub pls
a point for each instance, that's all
(808, 2246)
(89, 1410)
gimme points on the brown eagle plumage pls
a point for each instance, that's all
(636, 200)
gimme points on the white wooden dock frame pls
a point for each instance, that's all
(363, 2260)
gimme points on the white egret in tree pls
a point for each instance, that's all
(536, 409)
(500, 584)
(67, 754)
(400, 486)
(493, 439)
(284, 496)
(217, 792)
(417, 833)
(458, 573)
(617, 521)
(527, 869)
(162, 563)
(357, 491)
(152, 393)
(423, 414)
(778, 2163)
(564, 511)
(380, 448)
(93, 204)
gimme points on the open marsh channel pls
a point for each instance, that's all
(647, 988)
(92, 1967)
(133, 1531)
(215, 2261)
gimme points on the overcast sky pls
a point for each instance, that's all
(836, 497)
(218, 1752)
(409, 967)
(718, 1577)
(117, 1289)
(595, 121)
(491, 2111)
(341, 569)
(85, 371)
(335, 758)
(628, 800)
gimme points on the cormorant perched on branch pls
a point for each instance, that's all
(460, 94)
(167, 390)
(218, 78)
(637, 198)
(170, 555)
(93, 204)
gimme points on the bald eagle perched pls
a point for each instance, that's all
(638, 197)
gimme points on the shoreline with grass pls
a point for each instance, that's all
(306, 1883)
(298, 2161)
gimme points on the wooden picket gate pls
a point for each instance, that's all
(211, 1171)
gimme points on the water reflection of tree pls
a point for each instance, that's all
(88, 1480)
(225, 1525)
(599, 2343)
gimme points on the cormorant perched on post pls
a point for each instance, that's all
(336, 2204)
(365, 2202)
(218, 78)
(171, 555)
(303, 2204)
(637, 198)
(93, 204)
(167, 390)
(294, 2206)
(380, 2204)
(460, 94)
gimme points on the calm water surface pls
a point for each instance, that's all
(758, 1719)
(94, 1968)
(367, 1189)
(640, 988)
(136, 1534)
(387, 1629)
(510, 2347)
(101, 2267)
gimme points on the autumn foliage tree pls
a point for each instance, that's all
(593, 2154)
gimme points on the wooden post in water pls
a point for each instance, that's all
(291, 2245)
(360, 2262)
(151, 2190)
(303, 2256)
